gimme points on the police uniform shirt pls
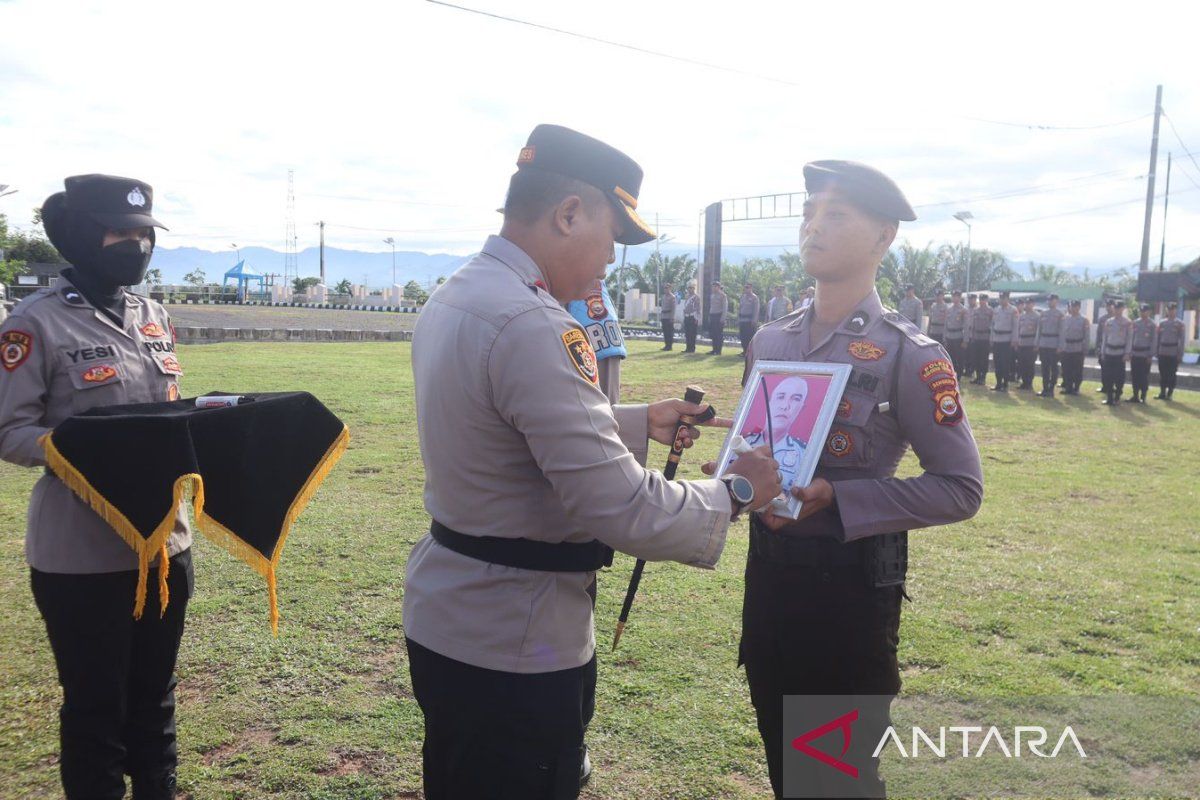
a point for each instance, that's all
(691, 307)
(518, 441)
(1050, 328)
(61, 357)
(788, 451)
(865, 444)
(718, 303)
(1170, 337)
(981, 322)
(1004, 324)
(1076, 331)
(956, 321)
(937, 316)
(1118, 339)
(912, 308)
(1143, 340)
(1027, 329)
(668, 306)
(778, 307)
(748, 308)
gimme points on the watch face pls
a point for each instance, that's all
(742, 489)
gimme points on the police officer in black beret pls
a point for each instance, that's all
(83, 343)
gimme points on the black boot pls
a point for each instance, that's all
(1108, 398)
(153, 787)
(1162, 395)
(1171, 393)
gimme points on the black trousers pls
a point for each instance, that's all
(492, 735)
(1168, 366)
(1025, 357)
(1072, 370)
(1049, 356)
(1004, 356)
(1113, 376)
(1139, 370)
(668, 329)
(814, 631)
(746, 329)
(689, 333)
(716, 331)
(938, 335)
(958, 356)
(980, 350)
(117, 676)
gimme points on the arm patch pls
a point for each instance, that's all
(15, 347)
(581, 354)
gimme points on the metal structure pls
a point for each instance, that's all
(291, 267)
(965, 218)
(1150, 182)
(739, 209)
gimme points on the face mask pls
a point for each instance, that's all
(123, 263)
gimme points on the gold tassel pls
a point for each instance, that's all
(139, 601)
(274, 602)
(164, 593)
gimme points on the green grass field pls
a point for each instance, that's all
(1079, 576)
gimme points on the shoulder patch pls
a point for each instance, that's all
(581, 354)
(15, 347)
(910, 330)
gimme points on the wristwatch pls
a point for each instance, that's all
(741, 492)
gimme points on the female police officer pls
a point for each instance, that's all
(81, 343)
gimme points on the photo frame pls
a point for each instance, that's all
(801, 398)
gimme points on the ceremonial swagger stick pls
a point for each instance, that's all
(695, 395)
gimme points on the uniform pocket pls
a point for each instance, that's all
(847, 445)
(97, 374)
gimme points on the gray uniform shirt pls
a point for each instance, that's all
(778, 307)
(1144, 339)
(1050, 329)
(1004, 324)
(691, 307)
(519, 442)
(956, 322)
(1117, 335)
(76, 358)
(1171, 336)
(668, 306)
(718, 303)
(748, 307)
(1027, 329)
(913, 309)
(937, 317)
(980, 323)
(1076, 331)
(864, 445)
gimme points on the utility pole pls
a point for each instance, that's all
(1150, 183)
(322, 224)
(1162, 254)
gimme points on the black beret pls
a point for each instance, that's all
(1119, 304)
(116, 203)
(1075, 303)
(1053, 296)
(1146, 307)
(908, 287)
(563, 151)
(1004, 293)
(866, 186)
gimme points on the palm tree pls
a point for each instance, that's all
(344, 287)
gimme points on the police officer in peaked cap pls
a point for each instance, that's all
(822, 607)
(87, 341)
(532, 481)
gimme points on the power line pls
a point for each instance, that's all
(1039, 188)
(623, 46)
(1186, 150)
(1035, 127)
(1093, 208)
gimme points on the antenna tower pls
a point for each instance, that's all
(291, 268)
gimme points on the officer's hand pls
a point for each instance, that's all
(815, 497)
(762, 470)
(663, 420)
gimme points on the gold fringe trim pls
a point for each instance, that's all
(146, 548)
(235, 545)
(214, 530)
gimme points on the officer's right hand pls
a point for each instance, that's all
(762, 470)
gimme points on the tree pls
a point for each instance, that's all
(344, 287)
(195, 277)
(906, 264)
(414, 292)
(154, 276)
(1050, 274)
(987, 267)
(300, 285)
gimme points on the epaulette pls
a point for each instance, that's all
(25, 303)
(905, 326)
(786, 319)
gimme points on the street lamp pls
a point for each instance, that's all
(392, 242)
(237, 250)
(964, 217)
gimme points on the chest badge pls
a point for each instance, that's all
(171, 364)
(595, 307)
(582, 355)
(840, 444)
(15, 347)
(865, 350)
(100, 373)
(153, 330)
(858, 322)
(845, 408)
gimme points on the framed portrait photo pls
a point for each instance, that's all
(790, 404)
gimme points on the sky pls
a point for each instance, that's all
(404, 119)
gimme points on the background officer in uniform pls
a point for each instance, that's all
(531, 478)
(956, 333)
(667, 314)
(81, 343)
(1049, 343)
(1171, 336)
(1076, 331)
(779, 305)
(911, 306)
(1027, 327)
(1115, 350)
(748, 308)
(937, 318)
(718, 310)
(691, 318)
(1109, 310)
(1004, 336)
(1143, 343)
(822, 606)
(981, 335)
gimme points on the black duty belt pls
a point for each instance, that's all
(1003, 333)
(1141, 349)
(1028, 335)
(803, 551)
(1074, 341)
(526, 553)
